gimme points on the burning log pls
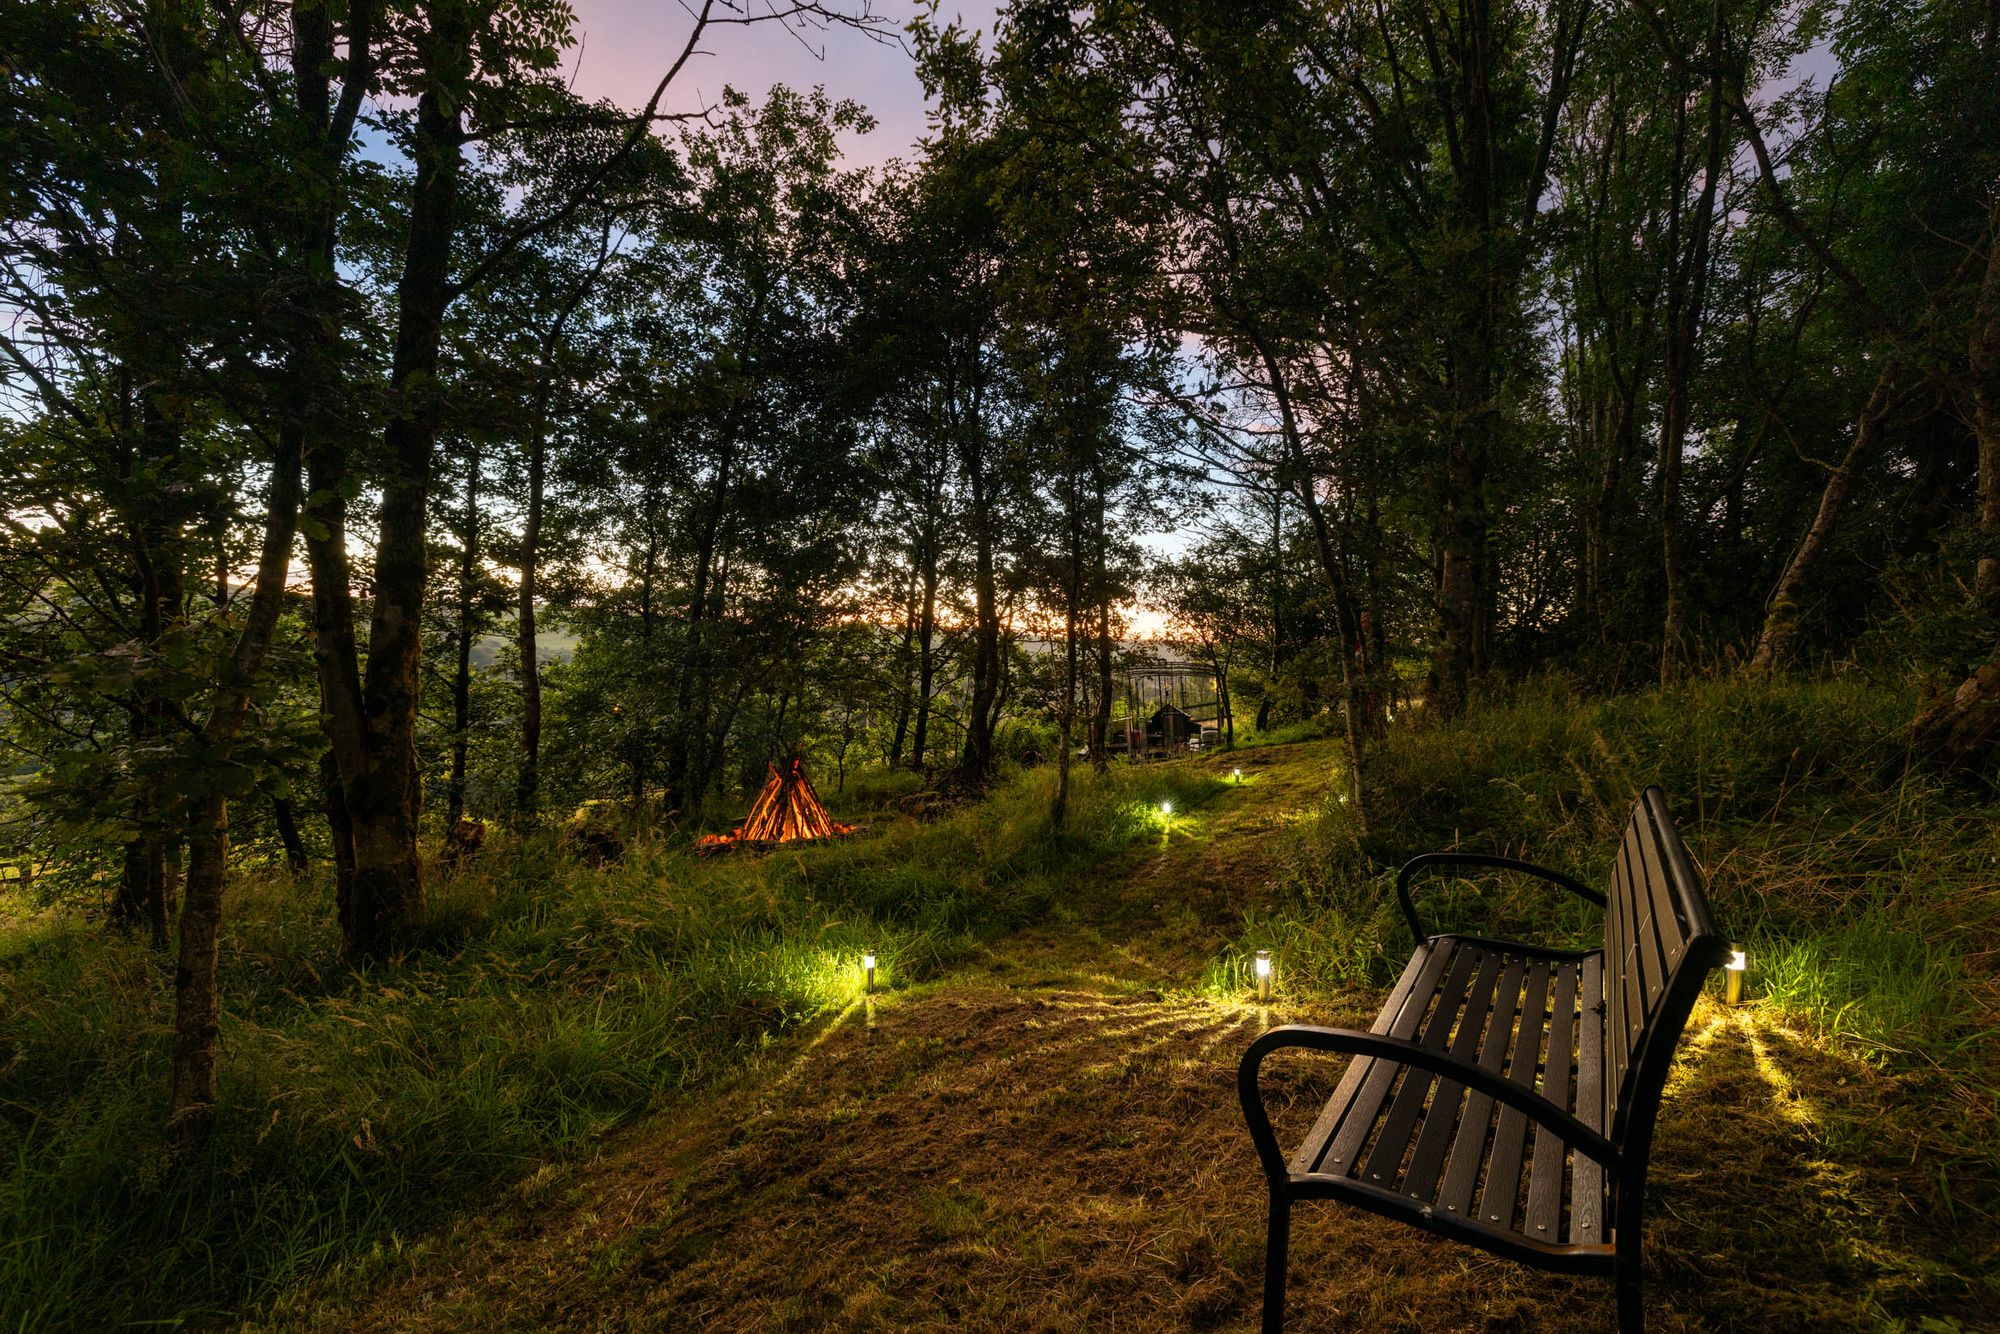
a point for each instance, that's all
(786, 811)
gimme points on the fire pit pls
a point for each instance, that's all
(786, 811)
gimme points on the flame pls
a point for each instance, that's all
(786, 811)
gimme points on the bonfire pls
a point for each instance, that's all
(786, 811)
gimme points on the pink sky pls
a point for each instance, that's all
(628, 44)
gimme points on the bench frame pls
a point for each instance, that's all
(1621, 1150)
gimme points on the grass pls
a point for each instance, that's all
(1047, 1136)
(1863, 893)
(550, 1003)
(1035, 1127)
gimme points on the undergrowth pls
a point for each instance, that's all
(550, 1002)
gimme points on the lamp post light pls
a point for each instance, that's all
(1732, 978)
(868, 973)
(1262, 968)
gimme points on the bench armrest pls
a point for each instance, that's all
(1402, 1051)
(1429, 859)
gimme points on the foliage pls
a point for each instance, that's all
(549, 1003)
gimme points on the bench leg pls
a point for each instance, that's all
(1277, 1244)
(1631, 1302)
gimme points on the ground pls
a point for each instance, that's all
(1048, 1139)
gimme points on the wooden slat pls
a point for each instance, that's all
(1503, 1167)
(1688, 898)
(1586, 1213)
(1673, 915)
(1314, 1145)
(1442, 1119)
(1386, 1158)
(1545, 1170)
(1346, 1142)
(1616, 995)
(1628, 969)
(1671, 936)
(1639, 954)
(1468, 1149)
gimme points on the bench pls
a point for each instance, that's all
(1506, 1094)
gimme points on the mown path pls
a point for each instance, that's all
(1049, 1140)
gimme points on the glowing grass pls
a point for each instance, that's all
(1861, 893)
(551, 1002)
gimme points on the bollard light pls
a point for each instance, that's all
(1166, 808)
(1732, 978)
(868, 972)
(1236, 775)
(1262, 967)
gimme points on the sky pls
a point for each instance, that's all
(627, 45)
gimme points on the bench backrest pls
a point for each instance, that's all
(1659, 946)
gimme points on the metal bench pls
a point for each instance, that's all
(1506, 1094)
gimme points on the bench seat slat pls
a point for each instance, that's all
(1503, 1167)
(1393, 1143)
(1586, 1211)
(1315, 1142)
(1468, 1149)
(1545, 1168)
(1344, 1125)
(1427, 1159)
(1343, 1150)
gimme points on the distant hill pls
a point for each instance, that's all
(554, 645)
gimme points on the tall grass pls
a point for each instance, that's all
(1864, 893)
(549, 1003)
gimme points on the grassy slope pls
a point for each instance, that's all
(1037, 1127)
(1047, 1136)
(551, 1003)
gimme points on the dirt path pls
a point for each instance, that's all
(1048, 1140)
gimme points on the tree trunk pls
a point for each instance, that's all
(905, 673)
(461, 681)
(693, 693)
(1066, 729)
(1687, 284)
(197, 999)
(1781, 615)
(976, 765)
(384, 792)
(1960, 729)
(926, 650)
(296, 858)
(1304, 485)
(1983, 367)
(528, 780)
(1469, 374)
(1100, 723)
